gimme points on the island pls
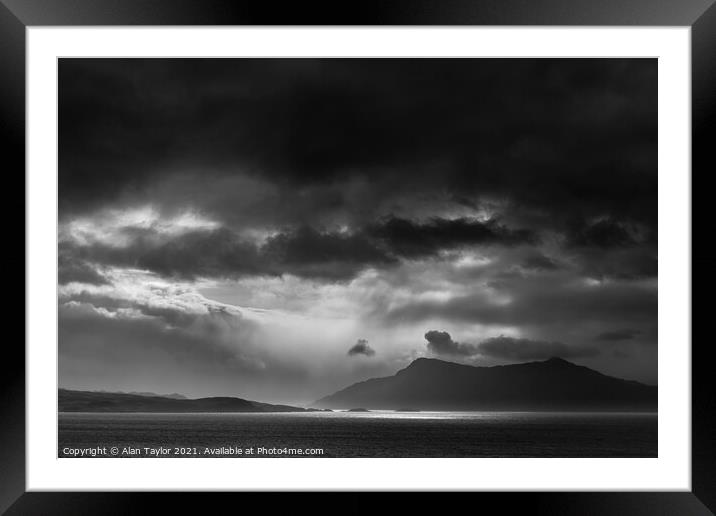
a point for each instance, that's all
(549, 385)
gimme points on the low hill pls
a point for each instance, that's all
(91, 401)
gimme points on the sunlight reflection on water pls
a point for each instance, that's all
(378, 433)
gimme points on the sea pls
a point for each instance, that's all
(357, 434)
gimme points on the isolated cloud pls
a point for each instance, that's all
(361, 348)
(510, 348)
(440, 343)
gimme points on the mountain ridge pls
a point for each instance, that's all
(552, 384)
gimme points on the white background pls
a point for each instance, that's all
(671, 470)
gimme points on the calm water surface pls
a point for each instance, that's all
(357, 434)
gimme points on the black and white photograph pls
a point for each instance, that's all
(357, 257)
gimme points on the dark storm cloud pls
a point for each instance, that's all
(617, 335)
(303, 251)
(441, 343)
(290, 145)
(222, 253)
(509, 348)
(573, 138)
(361, 348)
(310, 253)
(410, 239)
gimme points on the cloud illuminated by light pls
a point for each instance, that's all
(113, 227)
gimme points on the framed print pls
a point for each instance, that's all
(440, 249)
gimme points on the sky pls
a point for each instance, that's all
(278, 229)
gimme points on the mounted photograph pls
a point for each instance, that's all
(357, 257)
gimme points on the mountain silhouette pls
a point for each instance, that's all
(92, 401)
(554, 384)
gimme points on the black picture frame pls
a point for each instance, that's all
(17, 15)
